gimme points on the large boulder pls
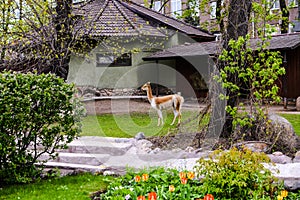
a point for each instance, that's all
(298, 104)
(282, 135)
(280, 158)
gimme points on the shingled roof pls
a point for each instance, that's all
(278, 42)
(125, 18)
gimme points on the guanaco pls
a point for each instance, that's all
(158, 103)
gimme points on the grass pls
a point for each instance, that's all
(128, 125)
(294, 119)
(67, 188)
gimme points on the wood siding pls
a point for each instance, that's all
(291, 80)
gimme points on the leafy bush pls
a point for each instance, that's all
(238, 174)
(39, 114)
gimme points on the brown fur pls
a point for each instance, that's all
(158, 103)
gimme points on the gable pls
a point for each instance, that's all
(124, 18)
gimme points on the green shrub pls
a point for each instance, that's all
(39, 114)
(238, 174)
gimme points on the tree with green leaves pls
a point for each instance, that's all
(248, 69)
(39, 35)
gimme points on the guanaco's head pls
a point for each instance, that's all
(146, 86)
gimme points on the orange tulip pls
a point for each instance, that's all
(208, 197)
(184, 181)
(284, 193)
(145, 177)
(152, 196)
(141, 198)
(190, 175)
(182, 175)
(171, 188)
(137, 178)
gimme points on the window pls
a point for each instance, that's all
(293, 3)
(157, 6)
(176, 7)
(105, 60)
(274, 4)
(213, 10)
(77, 1)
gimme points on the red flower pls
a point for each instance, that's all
(182, 175)
(137, 178)
(152, 196)
(208, 197)
(141, 198)
(184, 181)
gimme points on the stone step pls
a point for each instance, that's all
(79, 167)
(99, 145)
(79, 158)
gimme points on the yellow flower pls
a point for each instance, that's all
(171, 188)
(284, 193)
(190, 175)
(145, 177)
(279, 197)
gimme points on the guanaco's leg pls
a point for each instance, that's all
(175, 116)
(179, 117)
(160, 118)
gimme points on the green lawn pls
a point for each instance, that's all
(128, 125)
(294, 119)
(67, 188)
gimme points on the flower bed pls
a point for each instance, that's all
(226, 175)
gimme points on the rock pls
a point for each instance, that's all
(255, 146)
(108, 173)
(189, 149)
(297, 157)
(97, 93)
(140, 136)
(123, 140)
(155, 151)
(289, 173)
(143, 146)
(280, 158)
(283, 134)
(298, 104)
(176, 150)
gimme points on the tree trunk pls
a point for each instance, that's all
(238, 21)
(285, 17)
(219, 17)
(63, 22)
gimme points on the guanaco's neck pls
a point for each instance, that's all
(149, 93)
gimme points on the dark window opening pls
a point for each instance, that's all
(110, 60)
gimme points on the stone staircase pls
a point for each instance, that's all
(115, 155)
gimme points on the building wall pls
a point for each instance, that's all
(84, 71)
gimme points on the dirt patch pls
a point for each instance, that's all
(116, 106)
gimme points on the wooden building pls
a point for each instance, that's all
(187, 57)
